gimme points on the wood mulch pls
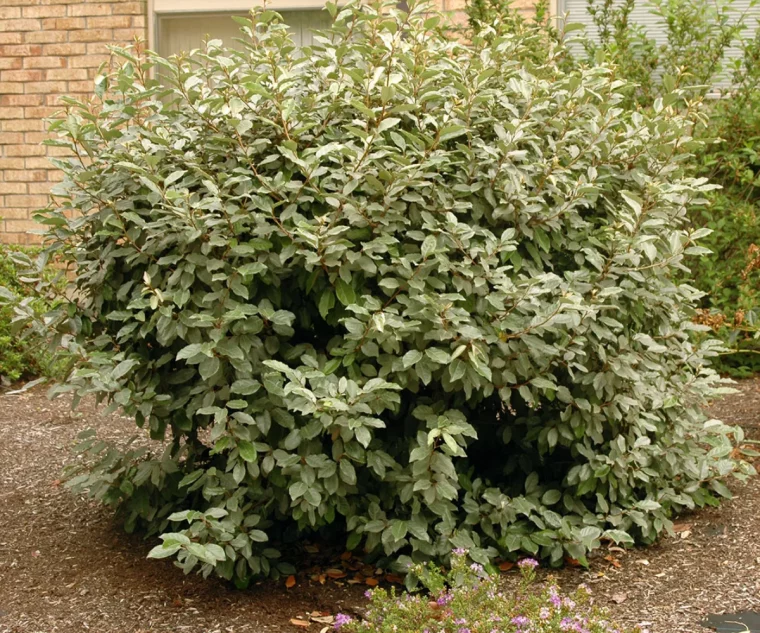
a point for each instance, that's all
(66, 567)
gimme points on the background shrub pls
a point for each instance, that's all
(399, 288)
(20, 357)
(701, 58)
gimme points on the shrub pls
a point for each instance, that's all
(399, 288)
(700, 56)
(468, 600)
(20, 357)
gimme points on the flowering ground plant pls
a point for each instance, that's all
(466, 599)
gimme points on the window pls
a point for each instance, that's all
(182, 25)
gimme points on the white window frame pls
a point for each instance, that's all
(159, 8)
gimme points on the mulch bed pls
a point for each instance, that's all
(66, 567)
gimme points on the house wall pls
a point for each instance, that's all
(48, 49)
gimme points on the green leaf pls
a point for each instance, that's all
(345, 293)
(411, 358)
(387, 124)
(247, 451)
(326, 302)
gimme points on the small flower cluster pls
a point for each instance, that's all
(468, 600)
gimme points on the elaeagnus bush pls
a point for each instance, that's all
(410, 290)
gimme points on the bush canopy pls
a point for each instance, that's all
(408, 290)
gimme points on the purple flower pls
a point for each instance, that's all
(465, 630)
(444, 599)
(528, 563)
(368, 594)
(570, 604)
(520, 620)
(342, 619)
(460, 621)
(477, 568)
(544, 614)
(567, 624)
(460, 551)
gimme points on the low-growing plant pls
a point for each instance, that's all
(413, 291)
(466, 599)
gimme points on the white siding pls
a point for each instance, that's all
(185, 32)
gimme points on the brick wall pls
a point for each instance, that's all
(48, 48)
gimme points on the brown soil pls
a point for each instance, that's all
(66, 567)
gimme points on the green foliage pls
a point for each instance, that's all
(467, 599)
(20, 357)
(699, 57)
(411, 291)
(696, 57)
(625, 44)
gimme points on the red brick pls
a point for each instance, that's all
(81, 87)
(20, 25)
(21, 226)
(53, 100)
(20, 50)
(7, 63)
(109, 22)
(45, 62)
(21, 75)
(11, 138)
(11, 113)
(129, 8)
(20, 100)
(11, 87)
(66, 73)
(23, 125)
(40, 188)
(50, 11)
(38, 163)
(24, 150)
(47, 37)
(91, 35)
(88, 61)
(46, 87)
(64, 49)
(126, 35)
(11, 163)
(13, 214)
(98, 48)
(25, 201)
(12, 188)
(35, 138)
(90, 8)
(25, 175)
(17, 238)
(58, 151)
(63, 24)
(42, 112)
(11, 38)
(6, 13)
